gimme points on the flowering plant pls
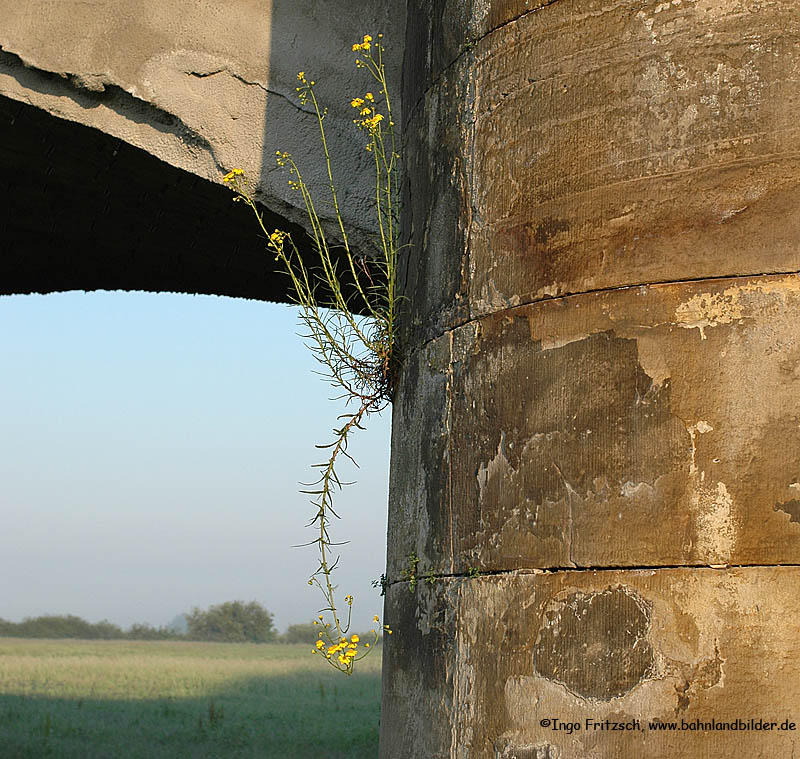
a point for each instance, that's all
(359, 353)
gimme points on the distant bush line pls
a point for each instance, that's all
(70, 626)
(232, 622)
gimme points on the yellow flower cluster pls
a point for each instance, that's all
(304, 88)
(364, 45)
(372, 123)
(370, 118)
(348, 647)
(231, 175)
(342, 652)
(277, 238)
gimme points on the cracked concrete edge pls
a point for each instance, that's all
(208, 88)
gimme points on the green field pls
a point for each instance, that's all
(71, 699)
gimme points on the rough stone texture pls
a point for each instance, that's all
(475, 664)
(653, 142)
(563, 433)
(200, 85)
(602, 371)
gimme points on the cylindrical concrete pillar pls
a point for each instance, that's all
(595, 496)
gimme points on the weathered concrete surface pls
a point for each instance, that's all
(201, 85)
(475, 665)
(563, 433)
(650, 143)
(602, 371)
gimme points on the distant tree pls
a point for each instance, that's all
(303, 633)
(233, 622)
(107, 630)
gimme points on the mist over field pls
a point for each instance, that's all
(152, 450)
(178, 700)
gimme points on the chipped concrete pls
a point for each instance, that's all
(611, 659)
(565, 471)
(666, 638)
(712, 309)
(716, 528)
(693, 430)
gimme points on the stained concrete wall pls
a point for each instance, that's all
(119, 118)
(600, 405)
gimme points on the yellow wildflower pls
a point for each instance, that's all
(301, 75)
(320, 644)
(231, 175)
(375, 618)
(372, 122)
(355, 638)
(369, 96)
(357, 102)
(365, 44)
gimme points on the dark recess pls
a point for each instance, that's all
(82, 210)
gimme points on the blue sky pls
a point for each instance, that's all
(151, 450)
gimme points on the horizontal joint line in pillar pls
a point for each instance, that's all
(601, 290)
(422, 579)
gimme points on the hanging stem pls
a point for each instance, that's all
(358, 353)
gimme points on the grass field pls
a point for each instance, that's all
(69, 699)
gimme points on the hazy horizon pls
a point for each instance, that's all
(151, 458)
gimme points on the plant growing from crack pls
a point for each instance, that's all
(359, 353)
(410, 572)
